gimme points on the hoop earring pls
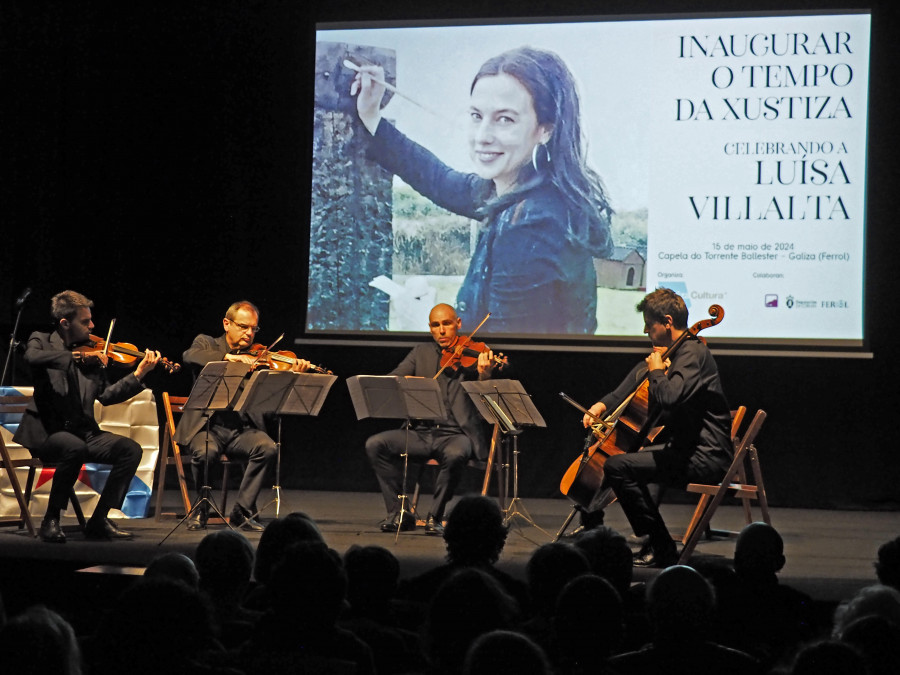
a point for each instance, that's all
(534, 155)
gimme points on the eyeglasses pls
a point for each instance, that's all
(244, 327)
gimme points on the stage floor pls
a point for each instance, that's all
(829, 554)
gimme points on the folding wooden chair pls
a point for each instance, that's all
(733, 482)
(170, 454)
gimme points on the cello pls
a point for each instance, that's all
(625, 429)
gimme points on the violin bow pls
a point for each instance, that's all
(265, 351)
(112, 325)
(458, 349)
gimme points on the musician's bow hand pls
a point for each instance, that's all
(242, 358)
(597, 410)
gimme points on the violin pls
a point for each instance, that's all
(626, 429)
(123, 353)
(464, 353)
(281, 360)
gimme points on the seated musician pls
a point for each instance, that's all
(235, 434)
(452, 442)
(59, 427)
(686, 396)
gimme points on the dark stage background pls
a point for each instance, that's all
(156, 156)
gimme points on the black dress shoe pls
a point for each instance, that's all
(198, 521)
(648, 556)
(104, 529)
(393, 523)
(434, 526)
(51, 532)
(242, 520)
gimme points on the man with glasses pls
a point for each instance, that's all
(239, 436)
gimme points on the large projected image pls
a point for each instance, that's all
(549, 174)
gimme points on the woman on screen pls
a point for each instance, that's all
(545, 214)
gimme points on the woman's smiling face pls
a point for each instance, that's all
(503, 129)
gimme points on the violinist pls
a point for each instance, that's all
(236, 434)
(59, 427)
(452, 442)
(686, 396)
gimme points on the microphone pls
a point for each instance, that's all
(22, 298)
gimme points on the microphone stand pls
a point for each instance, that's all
(13, 344)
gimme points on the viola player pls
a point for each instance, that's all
(238, 435)
(59, 427)
(452, 441)
(686, 396)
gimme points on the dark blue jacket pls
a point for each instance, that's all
(525, 269)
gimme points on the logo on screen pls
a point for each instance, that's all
(771, 300)
(679, 287)
(790, 301)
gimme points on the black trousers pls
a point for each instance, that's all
(636, 479)
(449, 446)
(252, 445)
(68, 452)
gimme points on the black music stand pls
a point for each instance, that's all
(216, 388)
(281, 393)
(506, 403)
(396, 397)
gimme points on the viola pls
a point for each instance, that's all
(626, 429)
(281, 360)
(464, 353)
(123, 353)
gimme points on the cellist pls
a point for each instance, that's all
(684, 394)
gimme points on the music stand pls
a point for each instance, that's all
(216, 388)
(508, 404)
(283, 393)
(396, 397)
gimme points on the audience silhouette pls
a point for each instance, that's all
(39, 641)
(295, 605)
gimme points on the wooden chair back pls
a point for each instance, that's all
(733, 482)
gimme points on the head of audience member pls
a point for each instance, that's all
(280, 533)
(551, 567)
(225, 564)
(759, 552)
(588, 605)
(475, 534)
(878, 640)
(39, 641)
(875, 600)
(505, 652)
(680, 604)
(175, 566)
(828, 657)
(307, 586)
(609, 555)
(373, 573)
(138, 629)
(468, 604)
(887, 567)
